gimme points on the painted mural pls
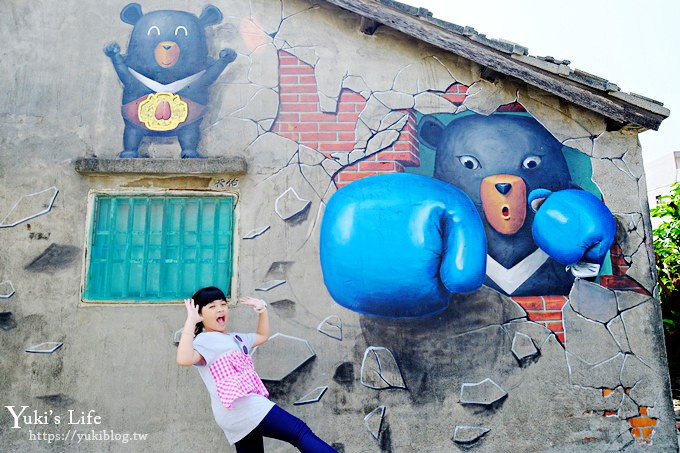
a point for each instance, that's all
(453, 260)
(166, 74)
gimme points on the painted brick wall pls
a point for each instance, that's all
(300, 119)
(545, 310)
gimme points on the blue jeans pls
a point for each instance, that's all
(279, 424)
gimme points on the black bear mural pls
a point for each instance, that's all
(499, 160)
(166, 74)
(399, 245)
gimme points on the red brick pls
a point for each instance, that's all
(317, 136)
(300, 127)
(353, 176)
(610, 413)
(560, 336)
(289, 80)
(545, 315)
(287, 59)
(555, 326)
(636, 432)
(620, 271)
(296, 70)
(348, 96)
(639, 422)
(299, 107)
(606, 392)
(616, 249)
(621, 283)
(398, 156)
(403, 146)
(378, 166)
(348, 118)
(338, 146)
(309, 98)
(554, 302)
(643, 410)
(289, 98)
(454, 98)
(618, 260)
(346, 136)
(288, 118)
(530, 302)
(316, 117)
(308, 79)
(301, 89)
(337, 127)
(647, 432)
(348, 107)
(457, 88)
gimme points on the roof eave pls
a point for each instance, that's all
(630, 111)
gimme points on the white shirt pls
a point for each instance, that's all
(248, 411)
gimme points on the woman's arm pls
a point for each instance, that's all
(260, 306)
(186, 354)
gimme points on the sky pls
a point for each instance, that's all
(635, 47)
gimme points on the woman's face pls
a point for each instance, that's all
(215, 316)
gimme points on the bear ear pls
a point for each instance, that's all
(211, 15)
(131, 13)
(430, 131)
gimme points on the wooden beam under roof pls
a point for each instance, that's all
(617, 106)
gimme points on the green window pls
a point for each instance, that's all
(154, 248)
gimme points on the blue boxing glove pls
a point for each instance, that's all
(398, 245)
(572, 226)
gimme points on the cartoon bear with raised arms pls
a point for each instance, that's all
(166, 75)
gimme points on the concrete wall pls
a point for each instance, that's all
(312, 104)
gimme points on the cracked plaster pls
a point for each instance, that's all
(485, 392)
(618, 332)
(592, 301)
(643, 323)
(606, 374)
(582, 333)
(648, 391)
(468, 434)
(394, 100)
(379, 369)
(630, 299)
(523, 346)
(565, 121)
(485, 97)
(428, 103)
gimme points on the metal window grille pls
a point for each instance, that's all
(159, 248)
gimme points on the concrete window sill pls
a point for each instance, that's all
(146, 166)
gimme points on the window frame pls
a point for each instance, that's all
(147, 193)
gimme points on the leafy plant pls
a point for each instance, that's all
(667, 251)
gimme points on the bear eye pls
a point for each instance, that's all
(531, 162)
(155, 29)
(469, 162)
(183, 28)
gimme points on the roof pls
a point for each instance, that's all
(624, 110)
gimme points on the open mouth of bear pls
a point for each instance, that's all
(505, 212)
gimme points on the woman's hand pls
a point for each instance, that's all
(192, 312)
(258, 304)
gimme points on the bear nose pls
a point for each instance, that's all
(503, 188)
(166, 47)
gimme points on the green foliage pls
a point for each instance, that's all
(667, 250)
